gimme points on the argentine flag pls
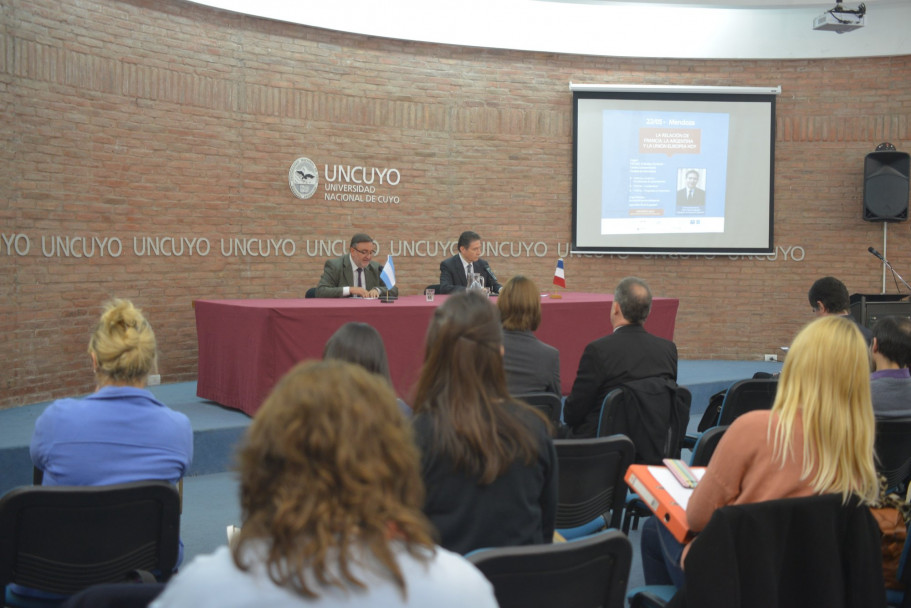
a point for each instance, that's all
(388, 274)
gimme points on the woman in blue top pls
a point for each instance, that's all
(119, 433)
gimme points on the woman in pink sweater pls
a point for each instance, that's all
(817, 439)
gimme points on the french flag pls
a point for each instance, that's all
(559, 278)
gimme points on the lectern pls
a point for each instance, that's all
(867, 309)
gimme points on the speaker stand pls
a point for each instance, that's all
(885, 252)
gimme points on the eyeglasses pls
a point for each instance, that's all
(365, 253)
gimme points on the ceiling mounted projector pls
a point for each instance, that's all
(841, 19)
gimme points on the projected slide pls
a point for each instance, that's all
(673, 172)
(663, 172)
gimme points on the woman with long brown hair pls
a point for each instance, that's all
(488, 461)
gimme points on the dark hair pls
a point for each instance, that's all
(687, 174)
(832, 293)
(893, 339)
(463, 388)
(520, 304)
(467, 238)
(359, 238)
(359, 343)
(634, 298)
(327, 468)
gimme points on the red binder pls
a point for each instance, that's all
(664, 496)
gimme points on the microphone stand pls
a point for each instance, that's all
(894, 272)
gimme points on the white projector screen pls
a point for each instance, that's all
(666, 171)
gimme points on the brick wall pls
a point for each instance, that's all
(126, 124)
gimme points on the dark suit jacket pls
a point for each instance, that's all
(531, 366)
(810, 551)
(452, 275)
(630, 353)
(697, 201)
(337, 274)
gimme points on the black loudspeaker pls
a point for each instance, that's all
(886, 186)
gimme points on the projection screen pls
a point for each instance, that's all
(686, 170)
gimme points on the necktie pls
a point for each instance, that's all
(690, 195)
(360, 272)
(468, 270)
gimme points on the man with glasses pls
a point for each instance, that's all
(354, 274)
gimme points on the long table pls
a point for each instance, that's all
(245, 346)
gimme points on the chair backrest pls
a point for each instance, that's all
(653, 412)
(63, 539)
(590, 571)
(591, 479)
(705, 446)
(550, 404)
(893, 450)
(794, 552)
(311, 293)
(745, 396)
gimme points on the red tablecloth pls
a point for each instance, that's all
(245, 346)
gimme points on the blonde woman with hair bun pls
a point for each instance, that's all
(121, 432)
(816, 439)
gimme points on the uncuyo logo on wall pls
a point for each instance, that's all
(303, 178)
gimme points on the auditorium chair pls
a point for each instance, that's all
(591, 490)
(743, 396)
(590, 571)
(653, 413)
(893, 452)
(550, 404)
(788, 553)
(63, 539)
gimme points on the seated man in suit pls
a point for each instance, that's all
(890, 382)
(454, 271)
(829, 296)
(629, 353)
(354, 274)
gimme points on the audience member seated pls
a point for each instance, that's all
(531, 366)
(489, 464)
(829, 296)
(362, 344)
(331, 498)
(890, 382)
(817, 439)
(629, 353)
(121, 432)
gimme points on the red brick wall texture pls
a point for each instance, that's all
(147, 144)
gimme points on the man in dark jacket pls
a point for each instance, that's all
(629, 353)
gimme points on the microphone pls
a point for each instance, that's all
(876, 253)
(490, 272)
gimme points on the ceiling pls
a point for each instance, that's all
(684, 29)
